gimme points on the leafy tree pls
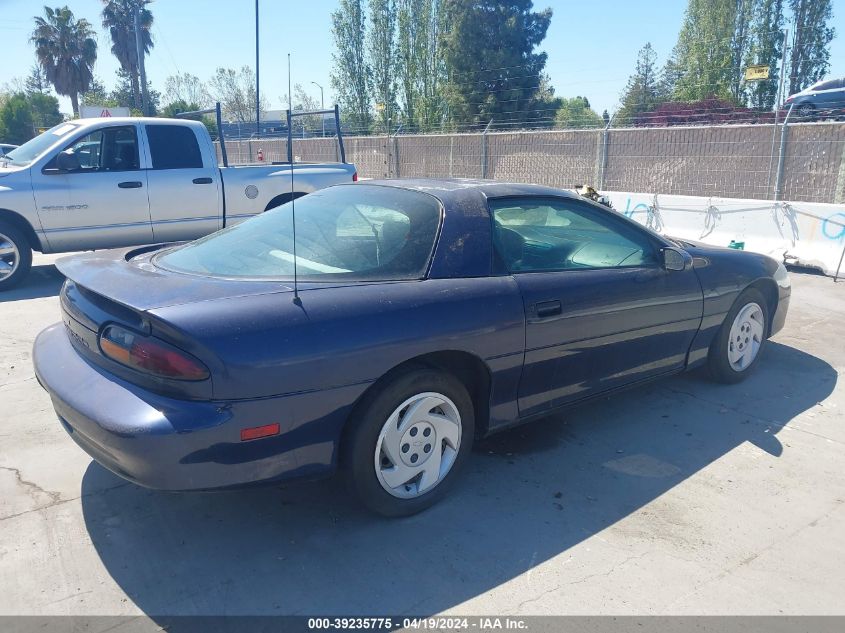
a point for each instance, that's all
(122, 95)
(489, 49)
(235, 90)
(119, 20)
(177, 107)
(740, 47)
(381, 51)
(702, 62)
(66, 49)
(188, 88)
(577, 113)
(98, 95)
(810, 57)
(16, 120)
(643, 91)
(37, 81)
(420, 67)
(350, 74)
(44, 109)
(766, 48)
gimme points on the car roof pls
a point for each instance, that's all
(454, 189)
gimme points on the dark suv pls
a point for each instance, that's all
(823, 98)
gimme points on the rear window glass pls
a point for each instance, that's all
(173, 147)
(354, 232)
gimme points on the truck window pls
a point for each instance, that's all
(173, 147)
(107, 149)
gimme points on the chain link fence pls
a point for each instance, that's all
(738, 161)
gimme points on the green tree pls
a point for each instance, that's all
(381, 51)
(419, 65)
(121, 95)
(577, 113)
(37, 81)
(119, 19)
(810, 56)
(489, 50)
(98, 95)
(188, 88)
(350, 73)
(643, 91)
(66, 49)
(740, 47)
(44, 109)
(16, 120)
(766, 48)
(177, 107)
(235, 90)
(702, 62)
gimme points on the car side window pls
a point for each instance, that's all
(106, 149)
(173, 147)
(541, 234)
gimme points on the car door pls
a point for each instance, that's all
(601, 309)
(101, 201)
(184, 188)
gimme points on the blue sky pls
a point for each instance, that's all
(592, 46)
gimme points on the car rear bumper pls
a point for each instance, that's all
(173, 444)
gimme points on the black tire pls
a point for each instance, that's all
(718, 362)
(24, 255)
(806, 111)
(371, 416)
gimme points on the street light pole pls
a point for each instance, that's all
(257, 91)
(322, 107)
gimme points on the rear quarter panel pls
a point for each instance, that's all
(344, 336)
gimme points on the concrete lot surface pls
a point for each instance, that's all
(683, 497)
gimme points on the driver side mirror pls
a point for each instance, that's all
(67, 161)
(676, 259)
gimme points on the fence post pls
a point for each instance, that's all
(484, 149)
(781, 155)
(396, 149)
(603, 155)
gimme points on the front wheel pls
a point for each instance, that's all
(805, 111)
(15, 256)
(736, 349)
(409, 439)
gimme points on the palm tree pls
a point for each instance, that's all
(119, 19)
(66, 50)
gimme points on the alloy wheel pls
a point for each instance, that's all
(746, 336)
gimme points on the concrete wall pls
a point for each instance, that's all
(736, 161)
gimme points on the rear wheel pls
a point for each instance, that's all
(736, 349)
(409, 440)
(15, 256)
(805, 111)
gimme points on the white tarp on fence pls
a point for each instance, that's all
(805, 233)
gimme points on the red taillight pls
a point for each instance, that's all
(257, 432)
(355, 176)
(150, 355)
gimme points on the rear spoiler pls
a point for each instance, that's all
(219, 117)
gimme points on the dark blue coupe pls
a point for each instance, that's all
(425, 314)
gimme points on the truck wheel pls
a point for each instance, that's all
(410, 438)
(736, 349)
(15, 256)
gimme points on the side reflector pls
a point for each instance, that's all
(257, 432)
(355, 177)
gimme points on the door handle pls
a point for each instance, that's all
(546, 309)
(130, 184)
(202, 181)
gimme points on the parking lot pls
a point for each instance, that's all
(683, 497)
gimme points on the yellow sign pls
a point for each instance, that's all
(757, 73)
(380, 107)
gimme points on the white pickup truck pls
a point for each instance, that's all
(111, 182)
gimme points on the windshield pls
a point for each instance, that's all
(32, 149)
(352, 232)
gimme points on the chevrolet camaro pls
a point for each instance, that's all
(380, 328)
